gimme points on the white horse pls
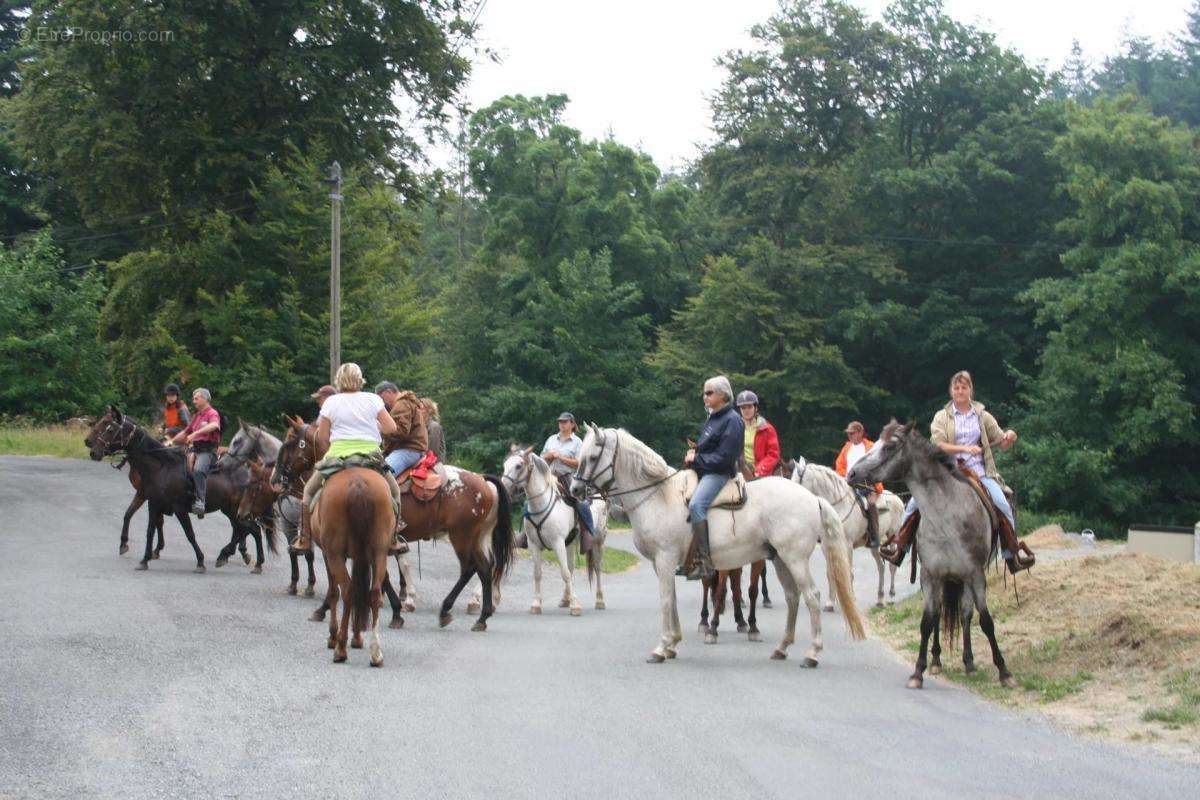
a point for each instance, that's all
(781, 521)
(826, 483)
(548, 523)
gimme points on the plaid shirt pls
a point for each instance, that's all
(966, 432)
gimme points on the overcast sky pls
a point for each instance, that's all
(642, 69)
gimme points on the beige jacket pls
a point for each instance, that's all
(941, 431)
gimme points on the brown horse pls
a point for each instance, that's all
(732, 577)
(354, 519)
(135, 480)
(259, 507)
(472, 510)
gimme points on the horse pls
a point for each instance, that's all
(781, 520)
(471, 510)
(549, 522)
(167, 485)
(135, 480)
(956, 542)
(825, 482)
(354, 519)
(732, 578)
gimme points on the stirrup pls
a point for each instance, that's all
(1022, 559)
(890, 551)
(294, 547)
(399, 546)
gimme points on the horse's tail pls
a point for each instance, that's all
(271, 535)
(502, 534)
(836, 548)
(952, 593)
(360, 516)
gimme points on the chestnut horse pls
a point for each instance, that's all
(472, 510)
(354, 519)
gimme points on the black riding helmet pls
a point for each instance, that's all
(172, 388)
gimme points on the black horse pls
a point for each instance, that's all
(168, 487)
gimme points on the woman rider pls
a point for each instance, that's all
(351, 423)
(715, 460)
(966, 431)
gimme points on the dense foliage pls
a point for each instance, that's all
(885, 201)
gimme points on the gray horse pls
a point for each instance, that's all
(956, 543)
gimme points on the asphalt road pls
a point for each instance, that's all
(172, 684)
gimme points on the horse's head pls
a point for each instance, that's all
(110, 434)
(297, 454)
(891, 459)
(244, 446)
(516, 469)
(597, 462)
(259, 495)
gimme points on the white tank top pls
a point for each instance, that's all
(353, 415)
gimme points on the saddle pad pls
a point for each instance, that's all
(732, 495)
(423, 489)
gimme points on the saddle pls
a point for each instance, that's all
(994, 514)
(425, 480)
(732, 495)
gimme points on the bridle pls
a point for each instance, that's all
(538, 518)
(605, 489)
(113, 445)
(283, 463)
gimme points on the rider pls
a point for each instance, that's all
(175, 412)
(203, 433)
(761, 449)
(561, 452)
(351, 423)
(715, 460)
(965, 430)
(409, 443)
(858, 445)
(433, 425)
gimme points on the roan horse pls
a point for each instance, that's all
(548, 525)
(825, 482)
(781, 520)
(471, 510)
(354, 520)
(956, 542)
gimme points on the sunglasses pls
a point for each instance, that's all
(708, 392)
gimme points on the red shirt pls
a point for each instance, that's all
(201, 419)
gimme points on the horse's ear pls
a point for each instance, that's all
(908, 426)
(241, 423)
(116, 412)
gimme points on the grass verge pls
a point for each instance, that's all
(25, 439)
(1107, 644)
(614, 560)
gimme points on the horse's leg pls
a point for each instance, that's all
(227, 550)
(394, 601)
(979, 590)
(155, 514)
(664, 568)
(802, 586)
(134, 505)
(599, 551)
(258, 548)
(566, 568)
(408, 591)
(765, 595)
(756, 570)
(790, 593)
(735, 584)
(968, 611)
(379, 575)
(535, 550)
(466, 570)
(879, 568)
(330, 598)
(161, 544)
(484, 570)
(706, 587)
(312, 575)
(340, 653)
(295, 559)
(186, 522)
(718, 601)
(935, 663)
(928, 622)
(892, 582)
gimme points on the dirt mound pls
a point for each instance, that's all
(1050, 537)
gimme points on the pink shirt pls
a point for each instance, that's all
(202, 418)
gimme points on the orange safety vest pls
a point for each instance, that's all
(171, 416)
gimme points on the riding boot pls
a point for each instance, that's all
(895, 548)
(586, 534)
(303, 541)
(399, 544)
(872, 525)
(702, 568)
(1017, 554)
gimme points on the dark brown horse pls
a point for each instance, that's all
(472, 510)
(354, 520)
(732, 578)
(135, 480)
(260, 507)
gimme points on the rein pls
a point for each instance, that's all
(286, 479)
(604, 491)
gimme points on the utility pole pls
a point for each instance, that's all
(335, 270)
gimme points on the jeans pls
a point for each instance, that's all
(710, 486)
(400, 460)
(204, 462)
(994, 491)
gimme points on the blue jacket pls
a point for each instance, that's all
(720, 444)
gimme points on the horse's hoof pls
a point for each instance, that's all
(828, 607)
(472, 607)
(969, 667)
(670, 654)
(409, 606)
(915, 682)
(142, 565)
(564, 603)
(376, 661)
(154, 555)
(655, 658)
(479, 627)
(257, 570)
(444, 620)
(246, 558)
(935, 669)
(316, 616)
(339, 657)
(535, 609)
(702, 627)
(742, 627)
(766, 604)
(200, 568)
(809, 663)
(1008, 681)
(123, 550)
(356, 643)
(600, 605)
(575, 612)
(778, 655)
(310, 592)
(879, 604)
(710, 638)
(332, 643)
(754, 636)
(292, 589)
(221, 561)
(397, 622)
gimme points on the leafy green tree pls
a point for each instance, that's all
(1111, 423)
(51, 364)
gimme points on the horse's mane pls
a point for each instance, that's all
(152, 447)
(648, 465)
(828, 478)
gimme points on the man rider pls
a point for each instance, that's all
(858, 445)
(203, 434)
(561, 452)
(404, 448)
